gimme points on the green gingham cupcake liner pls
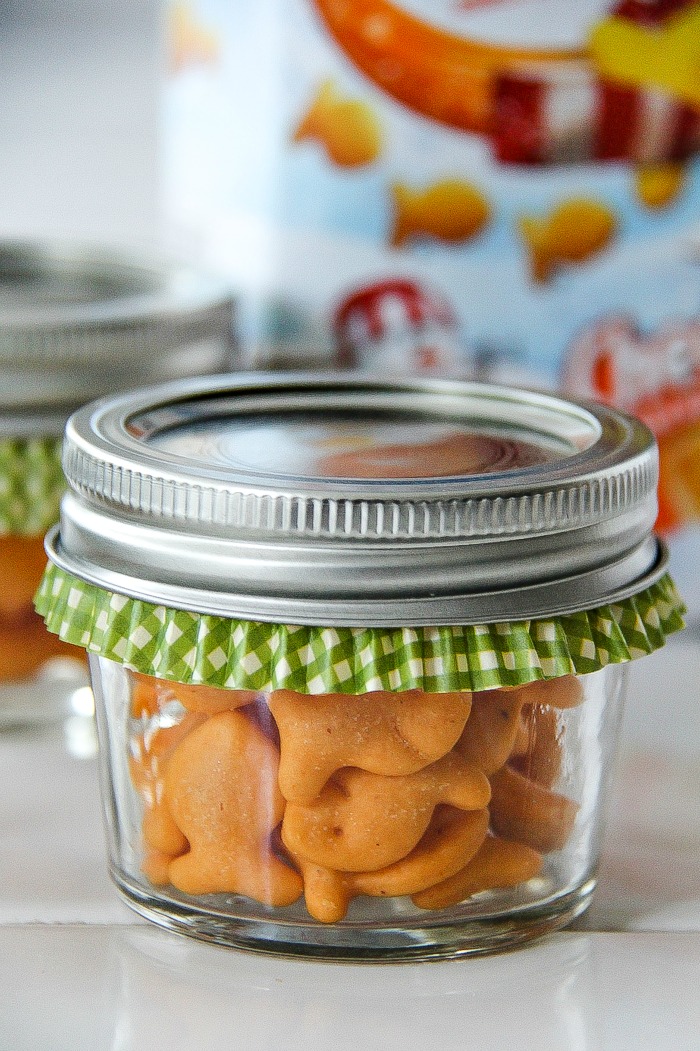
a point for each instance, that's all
(31, 485)
(197, 648)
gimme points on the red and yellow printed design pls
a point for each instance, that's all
(628, 92)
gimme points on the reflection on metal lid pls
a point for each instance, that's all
(365, 447)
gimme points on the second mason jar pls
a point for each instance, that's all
(76, 323)
(358, 649)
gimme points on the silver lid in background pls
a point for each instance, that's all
(322, 499)
(78, 323)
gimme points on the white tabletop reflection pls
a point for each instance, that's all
(133, 987)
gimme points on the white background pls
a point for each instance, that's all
(79, 84)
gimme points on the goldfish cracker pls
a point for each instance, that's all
(362, 822)
(521, 742)
(347, 129)
(221, 788)
(451, 210)
(383, 733)
(528, 813)
(155, 867)
(209, 700)
(226, 811)
(150, 748)
(573, 232)
(492, 728)
(327, 892)
(658, 185)
(499, 863)
(150, 695)
(144, 695)
(160, 831)
(541, 760)
(563, 692)
(450, 839)
(25, 644)
(150, 751)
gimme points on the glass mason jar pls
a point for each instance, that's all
(75, 325)
(358, 649)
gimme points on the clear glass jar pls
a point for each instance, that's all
(384, 825)
(358, 650)
(76, 324)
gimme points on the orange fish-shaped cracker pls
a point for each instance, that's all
(346, 128)
(572, 233)
(451, 210)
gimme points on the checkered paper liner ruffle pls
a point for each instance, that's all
(235, 654)
(31, 485)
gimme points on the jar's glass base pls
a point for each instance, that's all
(370, 941)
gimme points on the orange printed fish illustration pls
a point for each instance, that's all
(574, 231)
(451, 210)
(347, 129)
(659, 185)
(190, 42)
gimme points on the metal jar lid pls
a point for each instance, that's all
(348, 500)
(78, 323)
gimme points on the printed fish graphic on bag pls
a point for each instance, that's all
(451, 210)
(346, 128)
(659, 185)
(572, 233)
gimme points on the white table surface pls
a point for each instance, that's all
(78, 970)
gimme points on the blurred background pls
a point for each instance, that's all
(80, 83)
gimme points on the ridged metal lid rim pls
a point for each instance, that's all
(268, 512)
(169, 303)
(106, 466)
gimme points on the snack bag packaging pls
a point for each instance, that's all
(498, 189)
